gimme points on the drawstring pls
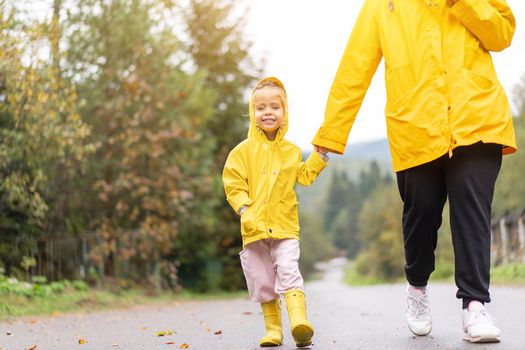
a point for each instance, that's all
(281, 128)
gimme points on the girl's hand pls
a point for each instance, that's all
(323, 156)
(243, 208)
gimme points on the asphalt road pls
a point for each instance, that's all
(344, 317)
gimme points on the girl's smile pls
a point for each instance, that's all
(269, 111)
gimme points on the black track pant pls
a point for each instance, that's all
(468, 179)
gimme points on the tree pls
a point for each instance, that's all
(370, 179)
(315, 246)
(381, 236)
(216, 45)
(345, 202)
(337, 198)
(510, 188)
(40, 131)
(149, 117)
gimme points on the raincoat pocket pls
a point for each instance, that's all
(288, 215)
(396, 108)
(478, 81)
(248, 223)
(402, 109)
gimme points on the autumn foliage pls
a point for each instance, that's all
(109, 125)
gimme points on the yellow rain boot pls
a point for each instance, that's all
(302, 330)
(273, 323)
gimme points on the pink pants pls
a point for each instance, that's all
(271, 267)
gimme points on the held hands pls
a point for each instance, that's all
(322, 152)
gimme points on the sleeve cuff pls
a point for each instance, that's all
(237, 204)
(336, 147)
(315, 162)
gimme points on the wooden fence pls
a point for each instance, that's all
(66, 257)
(69, 257)
(508, 239)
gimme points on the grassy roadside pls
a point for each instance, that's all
(94, 300)
(508, 275)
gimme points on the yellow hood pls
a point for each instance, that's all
(254, 132)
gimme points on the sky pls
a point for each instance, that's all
(303, 42)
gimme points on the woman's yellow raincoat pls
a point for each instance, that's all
(442, 89)
(261, 174)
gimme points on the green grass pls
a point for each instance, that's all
(94, 300)
(510, 274)
(352, 277)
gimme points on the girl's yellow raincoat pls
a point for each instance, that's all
(261, 174)
(442, 89)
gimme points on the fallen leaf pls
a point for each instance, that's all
(184, 346)
(170, 343)
(164, 333)
(218, 332)
(208, 329)
(32, 347)
(82, 341)
(9, 334)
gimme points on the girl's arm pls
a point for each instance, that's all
(235, 180)
(491, 21)
(307, 171)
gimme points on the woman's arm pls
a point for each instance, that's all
(491, 21)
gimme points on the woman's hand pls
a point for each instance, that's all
(322, 150)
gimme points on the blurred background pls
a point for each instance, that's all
(116, 117)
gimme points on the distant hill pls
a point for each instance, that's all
(378, 150)
(357, 157)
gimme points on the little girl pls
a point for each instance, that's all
(259, 178)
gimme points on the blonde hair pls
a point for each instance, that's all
(271, 83)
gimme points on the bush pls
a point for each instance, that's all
(38, 288)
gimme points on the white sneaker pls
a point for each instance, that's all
(418, 315)
(479, 326)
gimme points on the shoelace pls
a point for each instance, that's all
(481, 315)
(419, 304)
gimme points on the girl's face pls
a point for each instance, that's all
(269, 111)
